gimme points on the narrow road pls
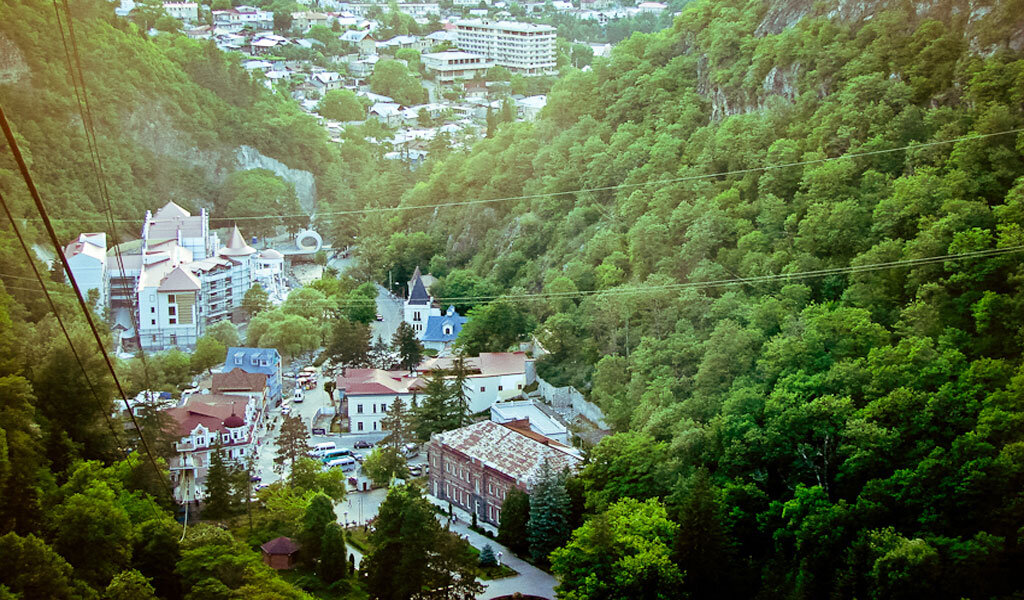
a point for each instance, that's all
(529, 581)
(389, 307)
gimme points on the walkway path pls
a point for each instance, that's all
(530, 581)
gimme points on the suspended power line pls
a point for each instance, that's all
(659, 182)
(63, 328)
(330, 304)
(48, 225)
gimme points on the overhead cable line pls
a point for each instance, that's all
(63, 328)
(37, 199)
(714, 283)
(667, 181)
(92, 142)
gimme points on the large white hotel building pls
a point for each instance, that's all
(523, 48)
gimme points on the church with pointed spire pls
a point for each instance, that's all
(435, 330)
(177, 279)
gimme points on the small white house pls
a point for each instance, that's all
(87, 257)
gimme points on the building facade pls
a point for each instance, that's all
(523, 48)
(449, 67)
(474, 467)
(175, 280)
(87, 257)
(206, 422)
(183, 11)
(264, 361)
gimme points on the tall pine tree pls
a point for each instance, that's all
(459, 389)
(548, 527)
(515, 514)
(292, 443)
(220, 501)
(333, 554)
(409, 349)
(397, 422)
(432, 415)
(319, 513)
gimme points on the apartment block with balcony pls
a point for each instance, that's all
(449, 67)
(524, 48)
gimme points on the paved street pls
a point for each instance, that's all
(529, 581)
(390, 308)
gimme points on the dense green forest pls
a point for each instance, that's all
(169, 113)
(853, 434)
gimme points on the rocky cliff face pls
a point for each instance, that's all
(248, 157)
(987, 26)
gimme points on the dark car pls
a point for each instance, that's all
(379, 317)
(362, 444)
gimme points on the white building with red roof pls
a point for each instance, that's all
(366, 394)
(474, 467)
(205, 421)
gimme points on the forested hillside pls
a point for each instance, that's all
(813, 433)
(169, 114)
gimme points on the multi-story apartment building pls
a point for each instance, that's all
(474, 467)
(449, 67)
(523, 48)
(183, 11)
(177, 278)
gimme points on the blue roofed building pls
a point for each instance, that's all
(442, 330)
(257, 360)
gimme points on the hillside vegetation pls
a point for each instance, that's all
(169, 114)
(853, 434)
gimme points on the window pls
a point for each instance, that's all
(483, 388)
(383, 408)
(374, 407)
(375, 426)
(519, 386)
(360, 427)
(172, 310)
(447, 330)
(170, 298)
(500, 388)
(172, 321)
(174, 339)
(416, 316)
(359, 409)
(153, 322)
(152, 309)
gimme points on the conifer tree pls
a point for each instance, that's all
(293, 441)
(432, 415)
(515, 514)
(219, 497)
(333, 553)
(459, 390)
(487, 558)
(397, 422)
(409, 349)
(380, 354)
(319, 513)
(548, 527)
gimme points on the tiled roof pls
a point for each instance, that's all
(208, 410)
(514, 452)
(179, 280)
(488, 364)
(236, 245)
(281, 545)
(367, 382)
(93, 245)
(238, 380)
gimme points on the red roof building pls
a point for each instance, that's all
(474, 467)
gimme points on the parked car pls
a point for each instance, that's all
(361, 444)
(410, 450)
(358, 456)
(289, 374)
(380, 317)
(415, 471)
